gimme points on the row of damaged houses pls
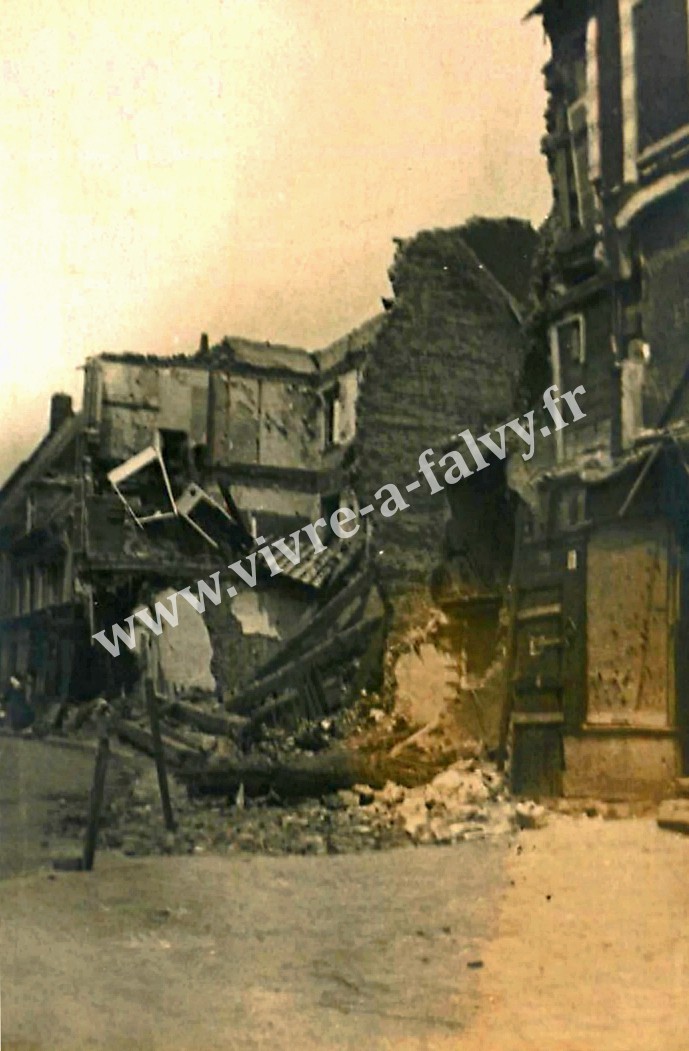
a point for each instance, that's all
(174, 468)
(569, 572)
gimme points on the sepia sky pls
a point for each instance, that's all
(239, 167)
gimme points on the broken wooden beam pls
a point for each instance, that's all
(342, 645)
(302, 776)
(143, 741)
(323, 621)
(222, 724)
(272, 707)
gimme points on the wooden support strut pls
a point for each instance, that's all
(97, 791)
(513, 605)
(159, 755)
(640, 480)
(291, 675)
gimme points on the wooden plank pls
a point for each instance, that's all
(272, 707)
(342, 644)
(537, 718)
(318, 697)
(320, 624)
(536, 612)
(159, 756)
(96, 801)
(141, 739)
(223, 724)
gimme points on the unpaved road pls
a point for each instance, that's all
(581, 931)
(352, 951)
(581, 928)
(34, 776)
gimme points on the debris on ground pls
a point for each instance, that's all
(375, 773)
(673, 815)
(466, 801)
(531, 815)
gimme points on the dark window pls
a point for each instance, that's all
(662, 69)
(570, 341)
(567, 187)
(572, 509)
(330, 504)
(610, 95)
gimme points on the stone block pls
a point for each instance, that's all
(673, 815)
(530, 815)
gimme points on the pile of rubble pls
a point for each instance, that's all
(466, 801)
(377, 773)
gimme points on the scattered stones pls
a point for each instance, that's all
(348, 797)
(673, 815)
(391, 794)
(468, 800)
(462, 802)
(531, 815)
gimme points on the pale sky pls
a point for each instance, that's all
(239, 167)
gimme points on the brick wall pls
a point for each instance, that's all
(447, 357)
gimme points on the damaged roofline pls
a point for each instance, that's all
(26, 472)
(311, 366)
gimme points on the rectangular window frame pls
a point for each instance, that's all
(564, 322)
(331, 416)
(579, 136)
(646, 154)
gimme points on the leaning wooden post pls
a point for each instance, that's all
(511, 655)
(159, 755)
(98, 787)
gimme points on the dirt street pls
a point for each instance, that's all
(250, 952)
(34, 776)
(576, 933)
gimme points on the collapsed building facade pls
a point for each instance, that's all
(171, 469)
(174, 468)
(599, 696)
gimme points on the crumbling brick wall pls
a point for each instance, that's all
(251, 628)
(447, 357)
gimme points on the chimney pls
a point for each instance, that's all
(203, 343)
(60, 410)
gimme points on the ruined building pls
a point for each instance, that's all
(599, 701)
(176, 467)
(171, 468)
(447, 356)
